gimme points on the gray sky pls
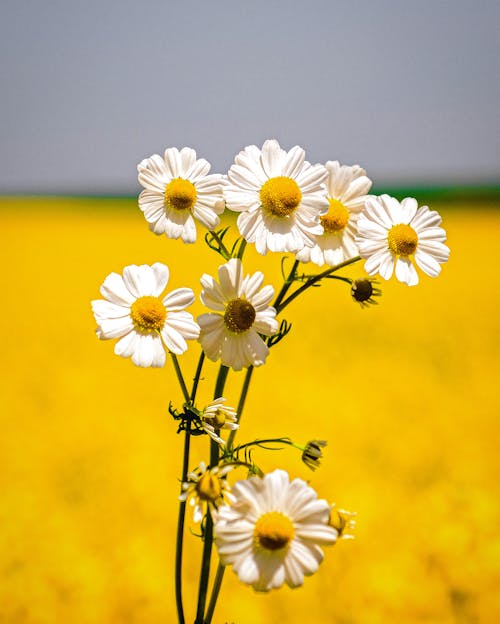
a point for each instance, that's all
(409, 90)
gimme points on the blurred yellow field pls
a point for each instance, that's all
(405, 392)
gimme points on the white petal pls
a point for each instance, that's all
(189, 231)
(266, 323)
(405, 272)
(114, 328)
(188, 159)
(104, 310)
(127, 345)
(230, 278)
(174, 341)
(147, 350)
(114, 290)
(293, 162)
(256, 349)
(178, 299)
(427, 263)
(409, 208)
(161, 274)
(184, 324)
(271, 158)
(140, 280)
(173, 162)
(386, 267)
(306, 555)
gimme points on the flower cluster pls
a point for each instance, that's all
(268, 527)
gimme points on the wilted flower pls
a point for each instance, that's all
(343, 521)
(272, 532)
(217, 416)
(363, 291)
(312, 454)
(206, 488)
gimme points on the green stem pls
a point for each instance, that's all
(220, 242)
(209, 525)
(180, 377)
(180, 528)
(241, 249)
(313, 280)
(182, 505)
(219, 576)
(241, 404)
(266, 441)
(197, 375)
(286, 285)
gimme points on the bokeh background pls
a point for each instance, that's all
(405, 392)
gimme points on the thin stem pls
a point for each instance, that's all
(241, 404)
(180, 377)
(197, 375)
(185, 466)
(286, 285)
(347, 280)
(219, 576)
(221, 381)
(209, 525)
(264, 441)
(220, 242)
(241, 249)
(313, 280)
(180, 528)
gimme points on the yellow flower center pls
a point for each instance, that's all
(180, 194)
(218, 419)
(209, 487)
(402, 240)
(280, 196)
(239, 315)
(273, 530)
(148, 313)
(337, 217)
(337, 521)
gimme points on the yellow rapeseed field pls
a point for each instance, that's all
(406, 393)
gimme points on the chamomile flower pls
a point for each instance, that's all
(347, 188)
(241, 312)
(177, 188)
(393, 235)
(312, 453)
(342, 521)
(280, 196)
(146, 322)
(364, 290)
(216, 416)
(272, 532)
(207, 489)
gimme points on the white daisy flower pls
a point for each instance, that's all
(272, 532)
(207, 489)
(280, 196)
(178, 188)
(135, 312)
(217, 416)
(242, 312)
(347, 188)
(392, 234)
